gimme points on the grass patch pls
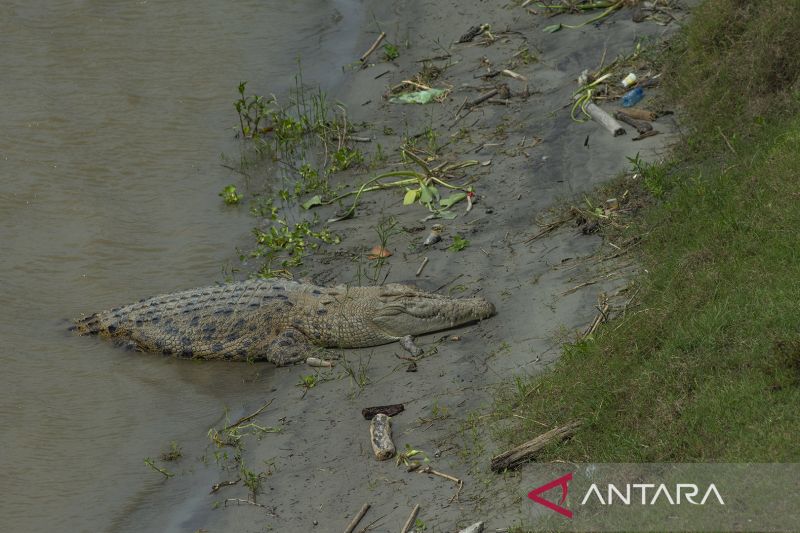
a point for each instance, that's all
(706, 365)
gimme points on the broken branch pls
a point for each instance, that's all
(354, 522)
(374, 46)
(528, 450)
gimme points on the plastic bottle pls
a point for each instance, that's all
(632, 97)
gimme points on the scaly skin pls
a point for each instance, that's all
(280, 321)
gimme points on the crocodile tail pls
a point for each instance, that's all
(89, 325)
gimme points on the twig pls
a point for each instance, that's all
(422, 266)
(240, 501)
(601, 317)
(248, 417)
(374, 46)
(576, 287)
(449, 282)
(365, 528)
(454, 497)
(411, 518)
(429, 470)
(725, 138)
(216, 486)
(547, 229)
(353, 523)
(482, 98)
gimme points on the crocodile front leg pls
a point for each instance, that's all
(290, 347)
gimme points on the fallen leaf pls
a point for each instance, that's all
(311, 202)
(379, 252)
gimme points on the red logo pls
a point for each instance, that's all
(562, 482)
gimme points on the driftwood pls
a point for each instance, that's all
(411, 520)
(474, 528)
(528, 450)
(638, 114)
(640, 125)
(354, 522)
(389, 410)
(380, 432)
(606, 120)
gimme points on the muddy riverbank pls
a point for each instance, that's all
(91, 222)
(319, 469)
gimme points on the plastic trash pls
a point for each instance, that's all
(632, 97)
(418, 97)
(629, 80)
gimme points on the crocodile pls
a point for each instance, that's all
(279, 321)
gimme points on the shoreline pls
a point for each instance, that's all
(537, 157)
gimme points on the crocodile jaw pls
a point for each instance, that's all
(419, 313)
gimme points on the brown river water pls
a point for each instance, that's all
(113, 116)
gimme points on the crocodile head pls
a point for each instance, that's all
(401, 310)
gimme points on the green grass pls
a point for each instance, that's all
(705, 365)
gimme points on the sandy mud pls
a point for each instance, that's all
(320, 465)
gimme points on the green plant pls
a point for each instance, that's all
(230, 195)
(288, 244)
(390, 52)
(459, 243)
(173, 454)
(251, 479)
(411, 457)
(253, 110)
(308, 382)
(385, 230)
(425, 191)
(344, 158)
(358, 375)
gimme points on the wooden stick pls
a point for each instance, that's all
(528, 450)
(429, 470)
(482, 98)
(601, 317)
(606, 120)
(374, 46)
(422, 266)
(353, 523)
(411, 518)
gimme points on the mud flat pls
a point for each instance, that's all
(531, 156)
